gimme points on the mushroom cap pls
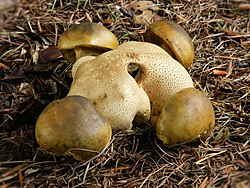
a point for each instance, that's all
(160, 75)
(86, 39)
(172, 38)
(72, 126)
(186, 116)
(116, 95)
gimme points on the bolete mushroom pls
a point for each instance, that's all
(72, 126)
(157, 72)
(186, 116)
(172, 38)
(86, 39)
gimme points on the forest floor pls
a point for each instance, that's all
(220, 30)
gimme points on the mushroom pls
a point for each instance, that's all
(158, 73)
(186, 116)
(72, 126)
(105, 81)
(78, 63)
(172, 38)
(86, 39)
(121, 82)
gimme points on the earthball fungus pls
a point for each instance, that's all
(86, 39)
(72, 126)
(186, 116)
(105, 80)
(172, 38)
(122, 82)
(155, 71)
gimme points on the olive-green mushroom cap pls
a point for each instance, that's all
(86, 39)
(172, 38)
(72, 126)
(186, 116)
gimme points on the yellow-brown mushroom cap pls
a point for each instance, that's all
(72, 126)
(90, 37)
(172, 38)
(186, 116)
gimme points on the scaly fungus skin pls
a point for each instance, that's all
(116, 95)
(121, 82)
(161, 76)
(86, 39)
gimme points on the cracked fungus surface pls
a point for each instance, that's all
(105, 81)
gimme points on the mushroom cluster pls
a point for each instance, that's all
(120, 85)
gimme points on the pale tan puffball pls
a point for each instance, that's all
(115, 93)
(122, 82)
(160, 75)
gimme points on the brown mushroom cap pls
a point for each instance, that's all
(172, 38)
(72, 126)
(186, 116)
(160, 75)
(115, 93)
(86, 39)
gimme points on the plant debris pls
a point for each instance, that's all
(30, 80)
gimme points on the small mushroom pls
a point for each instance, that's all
(86, 39)
(172, 38)
(157, 72)
(186, 116)
(106, 81)
(72, 126)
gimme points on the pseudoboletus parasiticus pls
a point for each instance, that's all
(86, 39)
(117, 88)
(186, 116)
(172, 38)
(72, 126)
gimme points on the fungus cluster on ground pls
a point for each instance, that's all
(114, 86)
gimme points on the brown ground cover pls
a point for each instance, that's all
(221, 35)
